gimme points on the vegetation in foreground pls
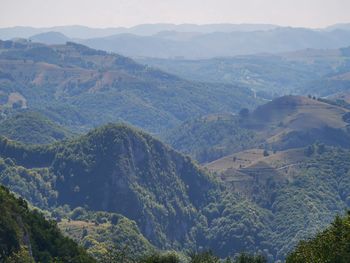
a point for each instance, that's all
(330, 245)
(26, 236)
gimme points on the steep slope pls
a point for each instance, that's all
(173, 203)
(81, 87)
(31, 127)
(25, 235)
(132, 172)
(118, 169)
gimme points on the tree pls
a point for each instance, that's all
(246, 258)
(160, 258)
(244, 113)
(21, 256)
(309, 150)
(204, 257)
(84, 233)
(321, 148)
(116, 254)
(114, 219)
(266, 153)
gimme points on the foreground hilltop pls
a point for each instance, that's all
(81, 87)
(26, 235)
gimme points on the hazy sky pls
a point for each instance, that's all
(113, 13)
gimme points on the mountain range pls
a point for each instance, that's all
(81, 87)
(215, 162)
(240, 202)
(189, 41)
(320, 72)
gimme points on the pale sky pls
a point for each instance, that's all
(115, 13)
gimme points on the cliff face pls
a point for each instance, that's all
(118, 169)
(121, 170)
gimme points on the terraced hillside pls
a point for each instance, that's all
(283, 123)
(303, 189)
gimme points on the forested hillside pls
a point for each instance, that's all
(211, 137)
(31, 127)
(79, 87)
(26, 235)
(159, 195)
(115, 169)
(174, 142)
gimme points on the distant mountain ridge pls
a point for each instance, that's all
(84, 32)
(201, 41)
(50, 38)
(320, 72)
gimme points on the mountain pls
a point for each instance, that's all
(27, 236)
(50, 38)
(284, 123)
(118, 174)
(84, 32)
(202, 41)
(342, 26)
(310, 71)
(69, 31)
(220, 44)
(31, 127)
(118, 169)
(79, 87)
(206, 41)
(173, 203)
(294, 121)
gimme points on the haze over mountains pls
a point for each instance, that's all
(189, 41)
(231, 154)
(84, 32)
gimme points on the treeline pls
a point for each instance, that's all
(116, 255)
